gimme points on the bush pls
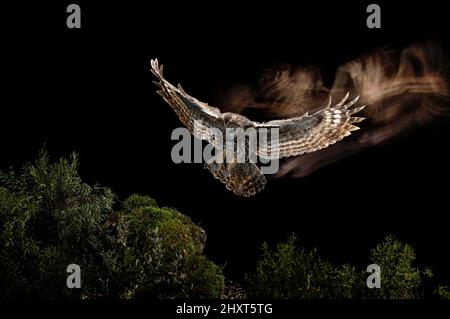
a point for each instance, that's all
(400, 279)
(161, 254)
(293, 272)
(443, 292)
(49, 219)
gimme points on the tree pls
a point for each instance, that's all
(161, 254)
(292, 272)
(400, 278)
(49, 219)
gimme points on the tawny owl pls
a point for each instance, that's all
(296, 136)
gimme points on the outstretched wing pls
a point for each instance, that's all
(243, 179)
(310, 133)
(200, 118)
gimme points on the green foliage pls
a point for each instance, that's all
(443, 292)
(293, 272)
(161, 254)
(49, 219)
(400, 279)
(136, 201)
(204, 279)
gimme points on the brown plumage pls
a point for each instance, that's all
(297, 135)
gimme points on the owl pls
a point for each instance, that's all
(295, 136)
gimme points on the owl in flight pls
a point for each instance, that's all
(296, 136)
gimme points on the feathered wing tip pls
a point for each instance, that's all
(329, 102)
(342, 110)
(343, 100)
(157, 70)
(180, 88)
(332, 124)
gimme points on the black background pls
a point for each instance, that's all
(90, 91)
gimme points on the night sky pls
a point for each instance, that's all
(91, 91)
